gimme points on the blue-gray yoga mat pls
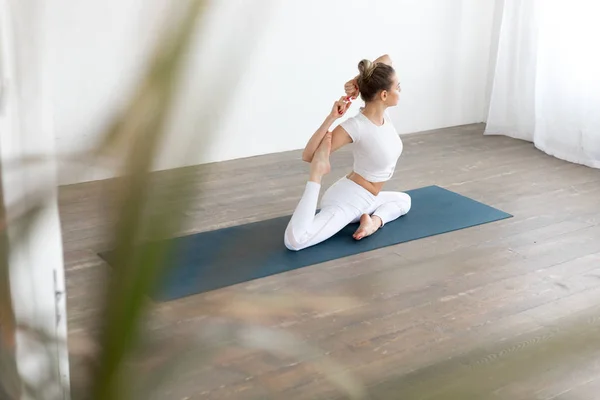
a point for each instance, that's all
(210, 260)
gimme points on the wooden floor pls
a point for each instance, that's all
(462, 313)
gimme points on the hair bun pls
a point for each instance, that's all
(366, 68)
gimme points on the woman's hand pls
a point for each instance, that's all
(351, 88)
(340, 107)
(338, 110)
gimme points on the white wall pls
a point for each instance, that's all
(294, 68)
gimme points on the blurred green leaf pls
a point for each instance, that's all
(10, 382)
(136, 268)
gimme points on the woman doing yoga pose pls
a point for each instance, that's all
(357, 196)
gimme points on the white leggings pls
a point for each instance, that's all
(343, 203)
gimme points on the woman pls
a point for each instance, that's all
(377, 147)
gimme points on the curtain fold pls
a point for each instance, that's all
(546, 86)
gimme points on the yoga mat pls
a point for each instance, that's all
(210, 260)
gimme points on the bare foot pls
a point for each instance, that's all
(368, 226)
(319, 165)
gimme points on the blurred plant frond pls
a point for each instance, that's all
(10, 380)
(132, 142)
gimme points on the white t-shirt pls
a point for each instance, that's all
(376, 148)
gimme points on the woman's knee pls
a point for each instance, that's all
(290, 240)
(326, 223)
(406, 202)
(293, 241)
(403, 201)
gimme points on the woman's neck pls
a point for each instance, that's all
(375, 112)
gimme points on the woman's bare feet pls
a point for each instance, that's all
(368, 226)
(319, 165)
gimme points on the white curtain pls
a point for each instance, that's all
(546, 87)
(26, 132)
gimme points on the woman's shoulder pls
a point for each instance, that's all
(354, 126)
(354, 119)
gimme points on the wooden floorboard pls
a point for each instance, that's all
(424, 315)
